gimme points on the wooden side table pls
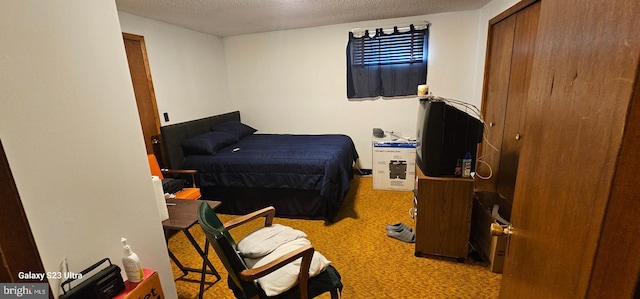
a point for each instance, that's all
(443, 221)
(183, 214)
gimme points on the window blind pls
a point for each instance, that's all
(394, 48)
(388, 64)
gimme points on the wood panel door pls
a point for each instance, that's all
(498, 70)
(510, 54)
(524, 38)
(574, 187)
(145, 95)
(18, 251)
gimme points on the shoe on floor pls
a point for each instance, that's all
(404, 235)
(398, 227)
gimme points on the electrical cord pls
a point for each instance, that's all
(398, 137)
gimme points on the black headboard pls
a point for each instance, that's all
(173, 135)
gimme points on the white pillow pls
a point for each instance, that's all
(266, 239)
(286, 277)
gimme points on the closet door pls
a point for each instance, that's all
(512, 37)
(496, 87)
(526, 27)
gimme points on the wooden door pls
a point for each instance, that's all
(145, 96)
(500, 48)
(619, 238)
(573, 186)
(524, 37)
(18, 251)
(510, 53)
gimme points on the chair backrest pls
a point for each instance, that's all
(225, 247)
(155, 167)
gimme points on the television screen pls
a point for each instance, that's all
(445, 134)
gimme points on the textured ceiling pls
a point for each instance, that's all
(234, 17)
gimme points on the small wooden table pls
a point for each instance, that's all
(443, 223)
(183, 214)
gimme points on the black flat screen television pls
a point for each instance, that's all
(445, 134)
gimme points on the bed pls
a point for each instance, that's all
(302, 176)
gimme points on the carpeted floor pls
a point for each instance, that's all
(372, 264)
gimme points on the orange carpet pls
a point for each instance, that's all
(372, 264)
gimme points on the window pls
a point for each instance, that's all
(387, 64)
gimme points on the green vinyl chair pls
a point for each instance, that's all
(242, 280)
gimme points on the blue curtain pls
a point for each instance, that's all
(387, 65)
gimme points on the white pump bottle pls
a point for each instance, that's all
(131, 263)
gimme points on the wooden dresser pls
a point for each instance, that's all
(443, 220)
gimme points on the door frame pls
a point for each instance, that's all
(142, 82)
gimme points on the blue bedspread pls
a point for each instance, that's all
(308, 162)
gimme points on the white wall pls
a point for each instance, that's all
(269, 78)
(489, 11)
(294, 81)
(187, 68)
(72, 136)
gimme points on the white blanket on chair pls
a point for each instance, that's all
(276, 246)
(266, 239)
